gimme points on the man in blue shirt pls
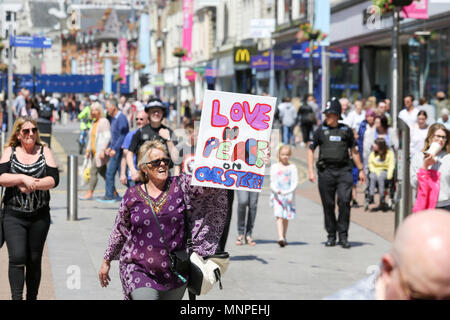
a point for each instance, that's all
(119, 129)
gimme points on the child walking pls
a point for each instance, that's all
(283, 182)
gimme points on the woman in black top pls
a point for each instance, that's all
(28, 171)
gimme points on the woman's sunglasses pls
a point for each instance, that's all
(29, 130)
(157, 162)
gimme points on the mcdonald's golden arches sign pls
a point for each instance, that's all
(242, 55)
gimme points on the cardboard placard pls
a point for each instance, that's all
(233, 138)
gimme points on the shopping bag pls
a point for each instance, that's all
(85, 171)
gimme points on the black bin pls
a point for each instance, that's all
(45, 130)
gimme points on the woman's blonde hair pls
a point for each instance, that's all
(13, 140)
(143, 154)
(431, 131)
(97, 106)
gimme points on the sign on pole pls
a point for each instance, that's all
(30, 42)
(262, 28)
(233, 139)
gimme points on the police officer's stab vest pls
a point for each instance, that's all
(334, 147)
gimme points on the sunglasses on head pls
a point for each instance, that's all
(157, 162)
(29, 130)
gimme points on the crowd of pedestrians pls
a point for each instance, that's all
(135, 141)
(370, 119)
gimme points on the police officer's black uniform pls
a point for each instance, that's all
(334, 169)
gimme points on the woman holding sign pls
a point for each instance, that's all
(135, 240)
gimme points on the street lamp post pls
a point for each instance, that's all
(179, 94)
(10, 82)
(272, 68)
(311, 50)
(395, 65)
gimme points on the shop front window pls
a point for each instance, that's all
(428, 63)
(344, 79)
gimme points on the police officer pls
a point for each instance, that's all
(334, 168)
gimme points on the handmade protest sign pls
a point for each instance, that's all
(233, 138)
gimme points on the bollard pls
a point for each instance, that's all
(2, 141)
(72, 187)
(403, 199)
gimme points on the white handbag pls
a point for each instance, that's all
(205, 272)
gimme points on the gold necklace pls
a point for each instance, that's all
(156, 205)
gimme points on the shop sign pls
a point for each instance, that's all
(157, 80)
(416, 10)
(301, 51)
(353, 55)
(260, 62)
(242, 55)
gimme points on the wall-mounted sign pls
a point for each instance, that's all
(242, 55)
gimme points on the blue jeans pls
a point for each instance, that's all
(113, 168)
(131, 183)
(288, 135)
(246, 199)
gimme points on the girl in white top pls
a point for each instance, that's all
(419, 133)
(283, 182)
(440, 162)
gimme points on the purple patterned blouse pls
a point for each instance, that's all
(136, 240)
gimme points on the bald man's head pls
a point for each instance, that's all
(419, 263)
(142, 119)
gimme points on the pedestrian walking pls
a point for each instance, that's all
(288, 117)
(145, 268)
(356, 116)
(444, 119)
(247, 207)
(430, 170)
(283, 182)
(441, 102)
(334, 169)
(366, 133)
(418, 133)
(154, 130)
(409, 114)
(306, 119)
(186, 151)
(99, 139)
(429, 109)
(382, 130)
(125, 173)
(119, 129)
(27, 171)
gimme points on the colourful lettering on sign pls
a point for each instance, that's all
(256, 118)
(230, 178)
(250, 151)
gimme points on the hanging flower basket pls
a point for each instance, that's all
(138, 65)
(423, 39)
(307, 33)
(117, 78)
(179, 52)
(387, 6)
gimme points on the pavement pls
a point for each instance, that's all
(303, 270)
